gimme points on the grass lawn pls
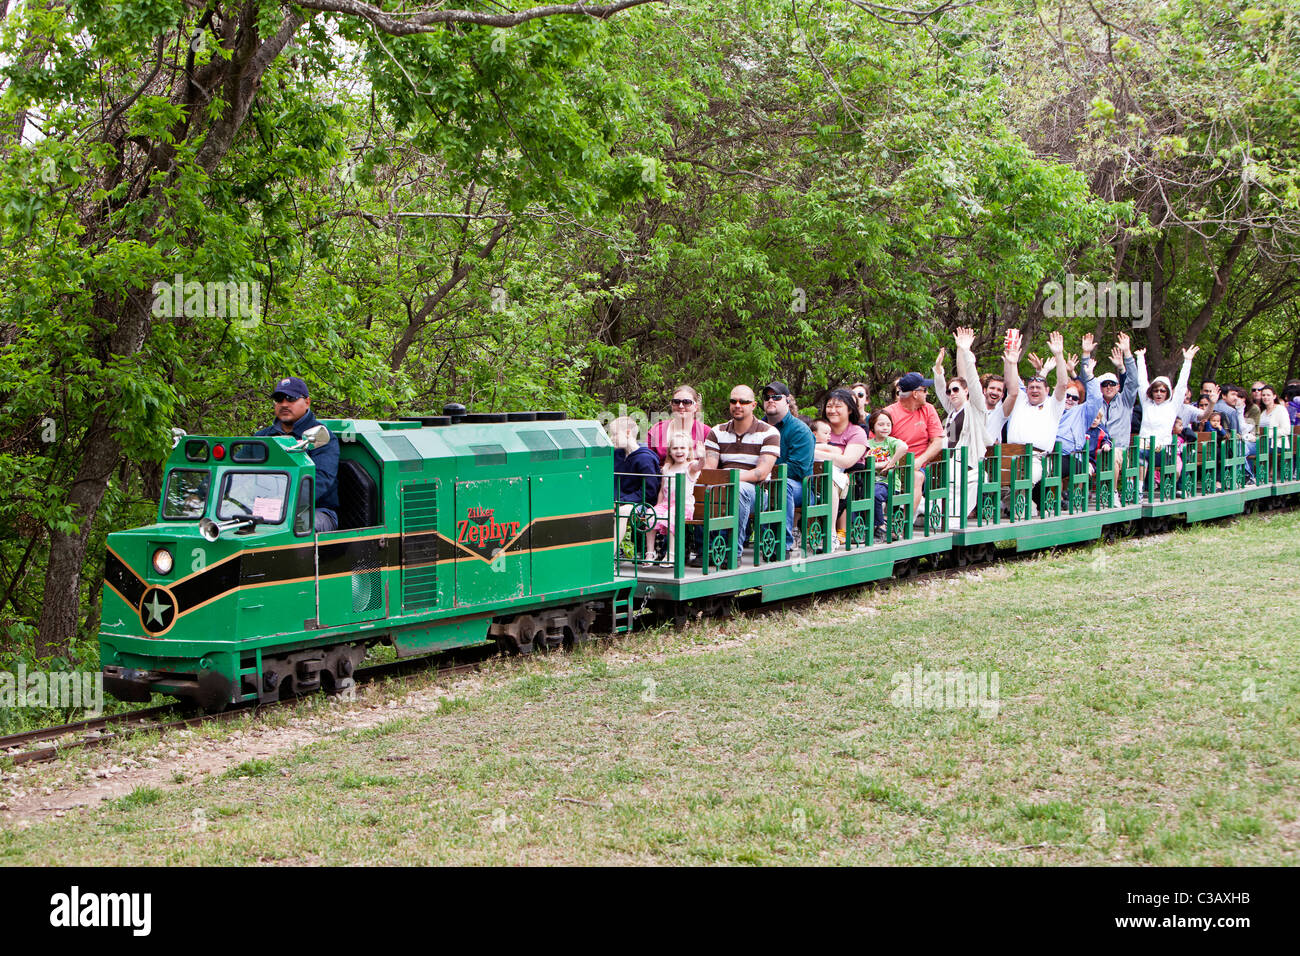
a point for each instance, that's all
(1147, 712)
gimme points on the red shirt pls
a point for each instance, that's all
(917, 428)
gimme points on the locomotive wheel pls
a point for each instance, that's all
(532, 635)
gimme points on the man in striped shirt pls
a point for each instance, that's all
(747, 444)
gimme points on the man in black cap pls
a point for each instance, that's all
(797, 445)
(293, 416)
(917, 425)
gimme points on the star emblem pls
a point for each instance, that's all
(156, 609)
(153, 610)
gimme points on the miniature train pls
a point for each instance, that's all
(462, 530)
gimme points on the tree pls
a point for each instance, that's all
(143, 112)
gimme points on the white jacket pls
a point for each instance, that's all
(1158, 420)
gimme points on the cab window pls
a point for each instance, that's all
(303, 520)
(260, 494)
(187, 494)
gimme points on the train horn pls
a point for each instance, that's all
(211, 530)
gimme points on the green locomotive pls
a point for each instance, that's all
(453, 531)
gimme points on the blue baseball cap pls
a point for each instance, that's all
(912, 381)
(291, 386)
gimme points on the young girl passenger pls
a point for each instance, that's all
(678, 462)
(887, 453)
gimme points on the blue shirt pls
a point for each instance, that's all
(797, 446)
(1072, 432)
(629, 483)
(326, 459)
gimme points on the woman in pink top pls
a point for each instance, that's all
(847, 447)
(685, 420)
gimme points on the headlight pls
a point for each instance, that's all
(162, 561)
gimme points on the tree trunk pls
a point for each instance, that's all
(61, 605)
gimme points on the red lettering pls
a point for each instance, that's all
(461, 528)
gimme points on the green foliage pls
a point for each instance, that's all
(580, 214)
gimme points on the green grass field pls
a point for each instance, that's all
(1146, 713)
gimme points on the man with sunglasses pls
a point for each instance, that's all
(748, 445)
(797, 446)
(293, 416)
(1037, 414)
(1116, 402)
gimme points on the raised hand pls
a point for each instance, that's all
(938, 360)
(1056, 343)
(1089, 344)
(1117, 358)
(1011, 347)
(1123, 341)
(1036, 362)
(1140, 353)
(1072, 365)
(964, 338)
(1189, 354)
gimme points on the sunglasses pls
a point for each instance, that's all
(1110, 384)
(683, 401)
(741, 401)
(860, 394)
(281, 397)
(954, 390)
(1071, 397)
(1036, 378)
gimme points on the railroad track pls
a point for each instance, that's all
(101, 730)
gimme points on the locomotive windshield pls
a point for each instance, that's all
(187, 494)
(257, 493)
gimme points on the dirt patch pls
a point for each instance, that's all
(183, 758)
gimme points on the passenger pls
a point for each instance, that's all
(797, 446)
(888, 453)
(1098, 440)
(1273, 414)
(293, 416)
(1159, 409)
(679, 463)
(1214, 425)
(1247, 413)
(1203, 412)
(1037, 414)
(1291, 395)
(1082, 402)
(821, 430)
(685, 420)
(748, 445)
(860, 392)
(1212, 391)
(967, 425)
(1000, 391)
(846, 446)
(1117, 400)
(917, 424)
(636, 471)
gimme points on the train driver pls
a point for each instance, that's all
(293, 416)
